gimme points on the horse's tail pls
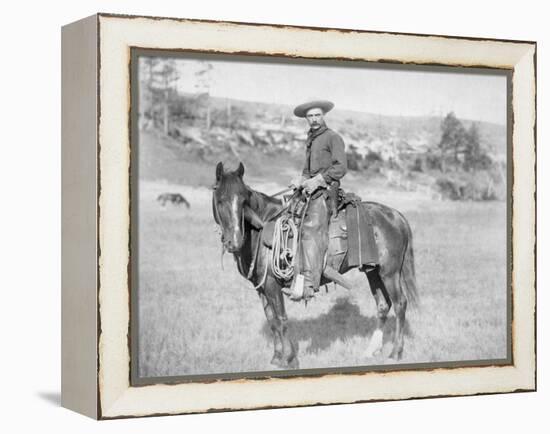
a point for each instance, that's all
(408, 272)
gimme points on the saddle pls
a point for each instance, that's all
(352, 242)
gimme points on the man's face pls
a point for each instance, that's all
(315, 118)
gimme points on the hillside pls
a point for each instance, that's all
(402, 151)
(366, 131)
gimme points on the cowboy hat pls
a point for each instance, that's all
(302, 109)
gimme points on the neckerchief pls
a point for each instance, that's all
(311, 135)
(315, 133)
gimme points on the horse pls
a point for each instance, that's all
(174, 198)
(241, 212)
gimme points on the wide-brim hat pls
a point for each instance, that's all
(302, 109)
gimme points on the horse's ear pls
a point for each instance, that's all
(219, 171)
(240, 170)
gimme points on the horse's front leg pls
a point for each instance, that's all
(277, 341)
(285, 352)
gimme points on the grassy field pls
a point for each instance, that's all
(195, 318)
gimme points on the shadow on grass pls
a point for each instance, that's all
(342, 322)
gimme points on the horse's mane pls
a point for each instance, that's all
(263, 204)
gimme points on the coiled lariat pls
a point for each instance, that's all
(285, 247)
(282, 259)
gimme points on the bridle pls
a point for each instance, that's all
(282, 271)
(252, 216)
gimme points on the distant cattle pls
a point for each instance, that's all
(174, 198)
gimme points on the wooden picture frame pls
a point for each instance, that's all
(96, 184)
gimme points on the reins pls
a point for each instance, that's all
(286, 190)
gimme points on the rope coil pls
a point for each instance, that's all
(285, 246)
(285, 242)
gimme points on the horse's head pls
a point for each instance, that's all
(231, 207)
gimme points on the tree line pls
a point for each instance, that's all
(161, 103)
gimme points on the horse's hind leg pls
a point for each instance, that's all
(400, 307)
(383, 305)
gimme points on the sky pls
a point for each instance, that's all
(408, 92)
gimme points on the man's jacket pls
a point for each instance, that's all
(325, 154)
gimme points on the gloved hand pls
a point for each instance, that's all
(312, 184)
(297, 182)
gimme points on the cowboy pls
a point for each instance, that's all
(325, 165)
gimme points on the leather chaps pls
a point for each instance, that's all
(314, 242)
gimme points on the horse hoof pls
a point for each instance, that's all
(396, 355)
(375, 344)
(375, 353)
(370, 355)
(294, 363)
(277, 361)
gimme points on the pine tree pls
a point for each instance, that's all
(475, 156)
(473, 152)
(203, 83)
(159, 78)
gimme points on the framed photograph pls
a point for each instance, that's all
(262, 216)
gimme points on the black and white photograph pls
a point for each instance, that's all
(275, 218)
(291, 215)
